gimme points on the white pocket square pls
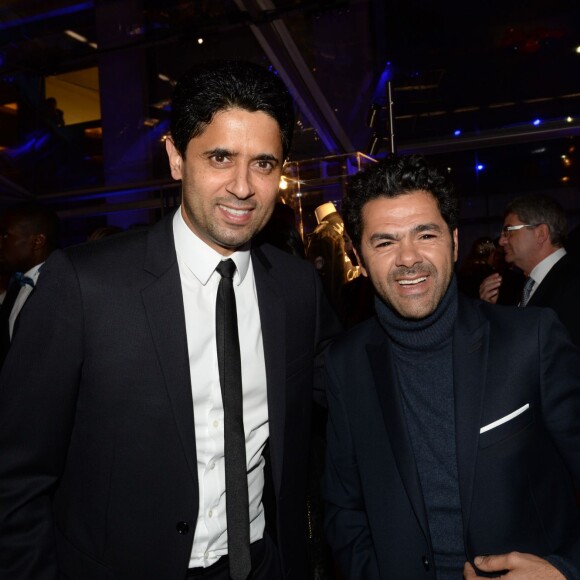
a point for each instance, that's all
(505, 419)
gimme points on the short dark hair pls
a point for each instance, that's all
(392, 177)
(214, 86)
(541, 209)
(41, 219)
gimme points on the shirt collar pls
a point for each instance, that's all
(541, 270)
(200, 258)
(34, 272)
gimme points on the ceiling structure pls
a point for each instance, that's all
(466, 81)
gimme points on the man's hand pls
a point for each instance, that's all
(489, 288)
(519, 566)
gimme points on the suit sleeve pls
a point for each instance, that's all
(327, 327)
(38, 392)
(560, 380)
(347, 526)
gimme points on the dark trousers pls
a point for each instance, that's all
(265, 564)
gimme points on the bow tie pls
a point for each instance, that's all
(23, 280)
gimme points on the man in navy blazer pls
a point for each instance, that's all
(533, 236)
(454, 425)
(111, 437)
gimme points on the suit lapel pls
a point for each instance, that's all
(387, 384)
(470, 357)
(549, 283)
(163, 302)
(273, 322)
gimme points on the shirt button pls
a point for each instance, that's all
(206, 555)
(216, 424)
(182, 528)
(425, 562)
(210, 513)
(212, 465)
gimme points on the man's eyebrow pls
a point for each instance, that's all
(427, 227)
(219, 152)
(266, 157)
(383, 236)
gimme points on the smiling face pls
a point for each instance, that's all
(408, 252)
(230, 177)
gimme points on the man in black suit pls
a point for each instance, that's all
(533, 236)
(111, 416)
(28, 234)
(454, 425)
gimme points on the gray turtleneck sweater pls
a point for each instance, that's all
(423, 356)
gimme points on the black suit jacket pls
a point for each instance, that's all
(560, 291)
(516, 480)
(98, 475)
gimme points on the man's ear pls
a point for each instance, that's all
(38, 241)
(542, 233)
(175, 159)
(363, 270)
(455, 244)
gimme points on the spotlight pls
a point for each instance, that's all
(457, 132)
(479, 167)
(536, 122)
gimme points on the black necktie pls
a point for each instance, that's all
(230, 371)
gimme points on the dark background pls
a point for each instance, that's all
(467, 79)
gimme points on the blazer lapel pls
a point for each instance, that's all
(470, 357)
(163, 302)
(273, 322)
(387, 384)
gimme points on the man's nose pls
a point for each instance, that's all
(408, 254)
(240, 185)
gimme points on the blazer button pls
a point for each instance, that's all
(425, 562)
(182, 528)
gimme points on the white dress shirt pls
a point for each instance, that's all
(199, 282)
(23, 295)
(541, 269)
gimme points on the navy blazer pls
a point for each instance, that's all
(516, 480)
(98, 474)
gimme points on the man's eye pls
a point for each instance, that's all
(265, 164)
